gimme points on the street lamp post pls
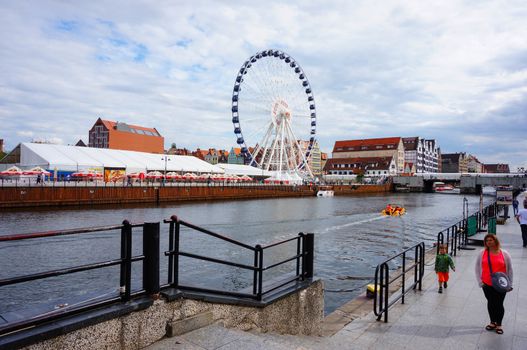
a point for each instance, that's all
(165, 157)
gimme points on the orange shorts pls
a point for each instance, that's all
(442, 276)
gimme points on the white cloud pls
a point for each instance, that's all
(454, 71)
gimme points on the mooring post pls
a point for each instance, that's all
(151, 253)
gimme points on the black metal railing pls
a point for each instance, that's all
(303, 259)
(124, 262)
(383, 280)
(457, 235)
(150, 258)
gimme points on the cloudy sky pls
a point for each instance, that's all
(455, 71)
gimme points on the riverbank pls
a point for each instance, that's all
(75, 194)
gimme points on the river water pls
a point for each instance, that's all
(351, 238)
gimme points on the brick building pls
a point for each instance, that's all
(496, 168)
(454, 162)
(370, 166)
(388, 147)
(118, 135)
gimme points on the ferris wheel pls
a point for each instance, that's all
(274, 115)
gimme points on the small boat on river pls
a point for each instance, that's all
(393, 210)
(325, 191)
(441, 187)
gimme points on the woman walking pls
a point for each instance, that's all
(500, 261)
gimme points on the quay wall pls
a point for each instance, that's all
(39, 196)
(298, 313)
(359, 188)
(17, 197)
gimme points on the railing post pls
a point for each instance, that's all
(151, 253)
(126, 262)
(255, 272)
(417, 261)
(422, 265)
(299, 242)
(386, 290)
(308, 248)
(173, 247)
(404, 276)
(260, 272)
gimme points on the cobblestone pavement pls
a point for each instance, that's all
(454, 319)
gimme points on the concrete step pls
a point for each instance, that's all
(216, 336)
(189, 324)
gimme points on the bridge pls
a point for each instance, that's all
(467, 182)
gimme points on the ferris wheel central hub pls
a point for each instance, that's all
(280, 112)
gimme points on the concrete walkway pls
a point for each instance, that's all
(428, 320)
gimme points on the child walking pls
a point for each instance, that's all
(443, 262)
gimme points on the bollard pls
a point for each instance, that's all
(151, 253)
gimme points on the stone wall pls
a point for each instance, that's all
(298, 313)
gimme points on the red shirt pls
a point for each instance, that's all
(498, 265)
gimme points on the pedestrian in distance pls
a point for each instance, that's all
(443, 263)
(521, 217)
(500, 261)
(515, 204)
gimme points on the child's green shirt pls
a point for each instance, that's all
(443, 261)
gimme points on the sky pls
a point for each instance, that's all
(453, 71)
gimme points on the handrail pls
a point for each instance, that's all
(303, 258)
(125, 261)
(457, 234)
(381, 302)
(21, 236)
(208, 232)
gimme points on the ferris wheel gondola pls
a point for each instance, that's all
(274, 114)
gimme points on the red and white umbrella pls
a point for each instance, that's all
(173, 175)
(190, 176)
(154, 175)
(36, 171)
(246, 178)
(203, 177)
(12, 171)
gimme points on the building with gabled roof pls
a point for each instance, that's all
(119, 135)
(454, 162)
(423, 154)
(236, 156)
(372, 148)
(370, 166)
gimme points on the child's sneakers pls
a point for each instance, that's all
(440, 290)
(445, 285)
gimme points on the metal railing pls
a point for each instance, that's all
(124, 262)
(303, 258)
(150, 259)
(31, 182)
(457, 235)
(383, 280)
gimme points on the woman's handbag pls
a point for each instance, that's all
(500, 281)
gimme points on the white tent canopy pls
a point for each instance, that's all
(74, 158)
(238, 169)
